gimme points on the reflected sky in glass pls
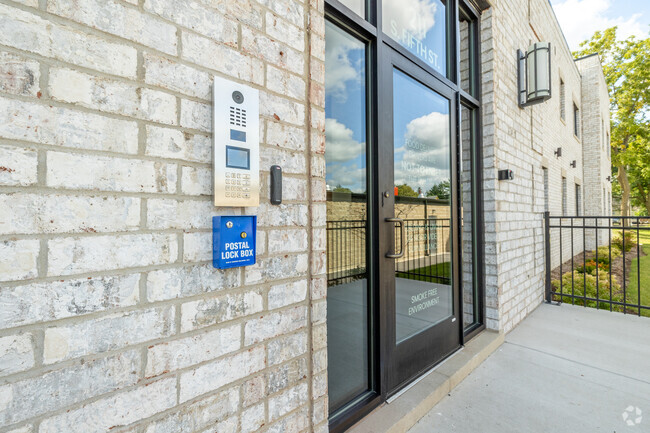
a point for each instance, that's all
(357, 6)
(421, 136)
(345, 108)
(420, 26)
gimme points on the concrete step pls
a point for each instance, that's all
(403, 411)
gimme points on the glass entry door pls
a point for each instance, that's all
(418, 265)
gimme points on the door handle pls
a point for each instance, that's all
(401, 238)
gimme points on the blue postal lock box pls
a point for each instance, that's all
(233, 241)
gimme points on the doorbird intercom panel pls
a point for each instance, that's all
(236, 147)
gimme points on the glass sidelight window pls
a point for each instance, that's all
(469, 202)
(469, 173)
(404, 211)
(348, 297)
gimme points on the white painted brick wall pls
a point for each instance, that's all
(16, 353)
(107, 333)
(43, 302)
(105, 236)
(177, 354)
(18, 259)
(222, 372)
(66, 127)
(18, 166)
(113, 317)
(60, 388)
(525, 140)
(121, 409)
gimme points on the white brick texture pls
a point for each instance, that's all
(113, 317)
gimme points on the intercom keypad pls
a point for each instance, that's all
(236, 144)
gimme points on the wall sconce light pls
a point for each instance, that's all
(558, 152)
(574, 163)
(609, 178)
(534, 74)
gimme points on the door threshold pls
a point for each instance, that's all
(423, 376)
(403, 410)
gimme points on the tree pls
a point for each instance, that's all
(406, 191)
(626, 65)
(342, 189)
(441, 190)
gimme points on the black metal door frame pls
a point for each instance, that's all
(409, 359)
(383, 54)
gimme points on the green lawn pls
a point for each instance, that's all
(632, 290)
(439, 270)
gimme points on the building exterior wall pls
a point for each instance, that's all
(525, 141)
(596, 154)
(112, 315)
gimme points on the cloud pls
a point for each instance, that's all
(339, 66)
(348, 176)
(580, 19)
(415, 16)
(423, 160)
(340, 146)
(344, 156)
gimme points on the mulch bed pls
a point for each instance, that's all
(616, 267)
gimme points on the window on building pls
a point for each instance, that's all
(576, 120)
(609, 146)
(562, 106)
(565, 209)
(578, 199)
(545, 170)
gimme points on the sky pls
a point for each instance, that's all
(580, 19)
(421, 124)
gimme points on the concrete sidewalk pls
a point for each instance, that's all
(564, 369)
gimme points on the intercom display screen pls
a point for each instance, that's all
(238, 135)
(236, 157)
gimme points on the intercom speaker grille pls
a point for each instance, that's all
(238, 117)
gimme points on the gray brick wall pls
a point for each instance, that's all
(113, 318)
(525, 141)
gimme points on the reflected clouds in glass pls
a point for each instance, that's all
(420, 26)
(421, 135)
(345, 108)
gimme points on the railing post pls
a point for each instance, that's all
(547, 241)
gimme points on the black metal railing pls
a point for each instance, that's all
(346, 251)
(426, 251)
(599, 261)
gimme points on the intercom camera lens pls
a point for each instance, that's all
(237, 97)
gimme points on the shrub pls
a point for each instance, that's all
(590, 266)
(603, 254)
(588, 281)
(630, 241)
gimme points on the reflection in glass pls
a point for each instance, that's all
(357, 6)
(347, 272)
(421, 27)
(469, 264)
(423, 289)
(467, 66)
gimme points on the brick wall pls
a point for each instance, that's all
(112, 315)
(598, 164)
(525, 140)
